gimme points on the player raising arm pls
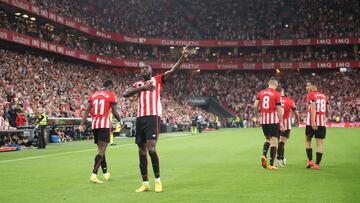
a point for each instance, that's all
(99, 106)
(268, 101)
(148, 117)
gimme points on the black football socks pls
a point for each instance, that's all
(309, 153)
(143, 167)
(98, 160)
(155, 163)
(266, 148)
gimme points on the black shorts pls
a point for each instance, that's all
(320, 133)
(286, 133)
(271, 130)
(193, 123)
(101, 134)
(147, 128)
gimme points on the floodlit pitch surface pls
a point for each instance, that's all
(221, 166)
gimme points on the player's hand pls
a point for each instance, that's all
(282, 129)
(186, 51)
(81, 128)
(314, 126)
(257, 122)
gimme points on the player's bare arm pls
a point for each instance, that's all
(297, 116)
(131, 91)
(168, 74)
(115, 111)
(84, 117)
(280, 113)
(313, 115)
(256, 111)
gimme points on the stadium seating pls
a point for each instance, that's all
(216, 19)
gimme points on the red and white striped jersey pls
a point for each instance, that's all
(100, 108)
(149, 103)
(287, 105)
(321, 102)
(268, 100)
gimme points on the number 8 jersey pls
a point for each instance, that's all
(100, 108)
(269, 99)
(321, 102)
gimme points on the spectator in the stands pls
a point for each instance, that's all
(20, 119)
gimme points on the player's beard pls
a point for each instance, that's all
(147, 77)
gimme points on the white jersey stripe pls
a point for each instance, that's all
(147, 93)
(141, 104)
(149, 101)
(153, 99)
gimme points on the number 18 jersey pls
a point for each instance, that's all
(268, 100)
(100, 108)
(321, 102)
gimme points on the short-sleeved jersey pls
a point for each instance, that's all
(287, 105)
(268, 100)
(149, 103)
(100, 108)
(321, 102)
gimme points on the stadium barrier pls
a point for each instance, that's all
(55, 48)
(174, 42)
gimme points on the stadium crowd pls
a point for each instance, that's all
(216, 19)
(237, 90)
(75, 40)
(31, 82)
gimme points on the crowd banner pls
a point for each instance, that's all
(174, 42)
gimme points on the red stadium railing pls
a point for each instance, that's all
(175, 42)
(55, 48)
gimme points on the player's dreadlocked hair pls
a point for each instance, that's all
(108, 83)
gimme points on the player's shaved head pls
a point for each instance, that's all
(273, 82)
(108, 84)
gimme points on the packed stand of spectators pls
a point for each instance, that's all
(31, 82)
(237, 90)
(216, 19)
(324, 19)
(76, 40)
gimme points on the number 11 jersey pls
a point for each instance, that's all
(100, 108)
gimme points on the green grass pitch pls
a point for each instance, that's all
(221, 166)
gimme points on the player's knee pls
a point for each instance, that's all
(142, 151)
(152, 150)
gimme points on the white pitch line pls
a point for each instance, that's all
(73, 152)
